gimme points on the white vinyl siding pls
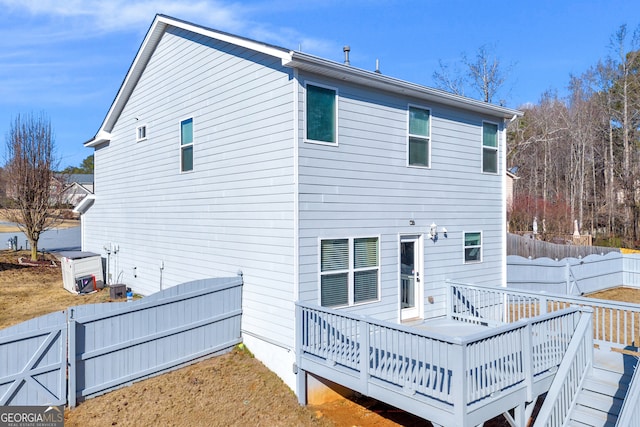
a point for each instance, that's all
(321, 114)
(419, 137)
(234, 211)
(472, 247)
(364, 188)
(489, 147)
(349, 271)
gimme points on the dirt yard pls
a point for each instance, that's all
(231, 390)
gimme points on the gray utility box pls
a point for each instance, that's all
(81, 271)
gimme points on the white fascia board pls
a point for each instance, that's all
(349, 73)
(254, 45)
(85, 204)
(149, 44)
(100, 138)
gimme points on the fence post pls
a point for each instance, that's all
(71, 360)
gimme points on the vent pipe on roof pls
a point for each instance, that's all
(378, 66)
(346, 51)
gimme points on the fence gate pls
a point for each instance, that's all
(33, 361)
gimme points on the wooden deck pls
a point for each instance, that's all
(495, 352)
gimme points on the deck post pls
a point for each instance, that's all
(363, 354)
(459, 385)
(527, 360)
(301, 374)
(519, 415)
(543, 304)
(449, 298)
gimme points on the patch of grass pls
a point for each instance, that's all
(31, 291)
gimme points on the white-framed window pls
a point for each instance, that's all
(321, 117)
(489, 147)
(349, 271)
(472, 247)
(419, 137)
(186, 145)
(141, 133)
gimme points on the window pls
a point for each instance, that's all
(141, 133)
(186, 145)
(349, 270)
(489, 148)
(419, 136)
(321, 114)
(472, 247)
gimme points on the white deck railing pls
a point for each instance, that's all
(453, 373)
(630, 412)
(568, 380)
(615, 324)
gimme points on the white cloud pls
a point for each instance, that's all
(69, 19)
(118, 15)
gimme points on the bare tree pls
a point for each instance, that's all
(484, 74)
(449, 80)
(625, 117)
(29, 172)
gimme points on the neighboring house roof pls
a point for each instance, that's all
(289, 58)
(83, 179)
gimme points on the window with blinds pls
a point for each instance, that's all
(349, 271)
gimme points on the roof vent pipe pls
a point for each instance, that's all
(378, 66)
(346, 51)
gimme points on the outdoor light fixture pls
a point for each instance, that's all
(412, 222)
(433, 233)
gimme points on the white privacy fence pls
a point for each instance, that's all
(90, 349)
(573, 276)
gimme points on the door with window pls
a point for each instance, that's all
(411, 272)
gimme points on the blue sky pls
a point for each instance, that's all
(68, 58)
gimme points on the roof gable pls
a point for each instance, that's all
(289, 58)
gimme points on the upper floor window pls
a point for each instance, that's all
(349, 271)
(321, 114)
(489, 147)
(419, 137)
(141, 133)
(472, 247)
(186, 145)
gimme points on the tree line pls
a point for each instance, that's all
(578, 157)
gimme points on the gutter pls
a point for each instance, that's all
(348, 73)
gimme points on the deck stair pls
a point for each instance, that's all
(600, 399)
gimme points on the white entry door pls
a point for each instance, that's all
(410, 277)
